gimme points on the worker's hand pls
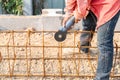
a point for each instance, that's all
(65, 19)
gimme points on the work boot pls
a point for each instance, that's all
(91, 52)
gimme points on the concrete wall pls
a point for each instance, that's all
(37, 22)
(46, 22)
(49, 20)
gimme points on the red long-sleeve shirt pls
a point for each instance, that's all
(103, 9)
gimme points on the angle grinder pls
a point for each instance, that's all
(60, 35)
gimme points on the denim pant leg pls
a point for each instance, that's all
(105, 45)
(89, 24)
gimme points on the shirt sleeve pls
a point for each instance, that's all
(82, 9)
(79, 8)
(70, 6)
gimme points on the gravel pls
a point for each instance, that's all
(52, 64)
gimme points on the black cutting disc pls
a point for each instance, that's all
(60, 36)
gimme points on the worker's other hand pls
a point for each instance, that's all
(66, 18)
(77, 20)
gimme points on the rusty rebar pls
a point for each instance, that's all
(60, 58)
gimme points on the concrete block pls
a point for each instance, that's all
(43, 22)
(51, 12)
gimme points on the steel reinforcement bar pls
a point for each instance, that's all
(10, 54)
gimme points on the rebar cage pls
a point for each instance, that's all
(35, 55)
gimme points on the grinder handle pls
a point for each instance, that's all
(68, 24)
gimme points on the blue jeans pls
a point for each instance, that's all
(89, 24)
(105, 35)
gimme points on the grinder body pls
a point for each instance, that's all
(62, 32)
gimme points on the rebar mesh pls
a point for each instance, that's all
(35, 54)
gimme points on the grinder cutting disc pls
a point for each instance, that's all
(60, 36)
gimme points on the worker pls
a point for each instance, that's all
(100, 15)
